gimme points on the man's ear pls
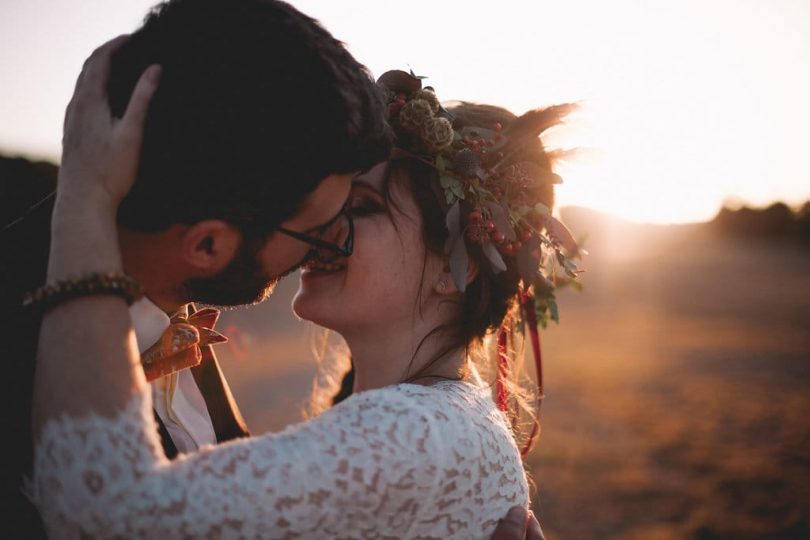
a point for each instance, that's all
(446, 285)
(209, 246)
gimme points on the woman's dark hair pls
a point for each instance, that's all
(490, 298)
(257, 103)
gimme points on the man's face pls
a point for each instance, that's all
(256, 268)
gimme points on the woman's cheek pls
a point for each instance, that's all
(378, 267)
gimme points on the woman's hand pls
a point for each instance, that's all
(89, 339)
(519, 524)
(99, 164)
(100, 153)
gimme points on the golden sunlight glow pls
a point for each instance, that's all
(684, 103)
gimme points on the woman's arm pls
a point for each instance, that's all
(371, 467)
(86, 359)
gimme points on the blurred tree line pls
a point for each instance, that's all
(776, 221)
(22, 184)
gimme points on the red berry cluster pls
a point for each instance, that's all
(518, 177)
(482, 146)
(481, 231)
(399, 101)
(478, 229)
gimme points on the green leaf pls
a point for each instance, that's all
(542, 209)
(528, 259)
(521, 211)
(546, 309)
(453, 223)
(495, 259)
(541, 313)
(555, 312)
(440, 163)
(561, 234)
(414, 75)
(543, 288)
(573, 283)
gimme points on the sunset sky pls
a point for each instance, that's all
(685, 104)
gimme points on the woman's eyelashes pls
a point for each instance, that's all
(364, 205)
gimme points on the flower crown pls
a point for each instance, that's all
(490, 189)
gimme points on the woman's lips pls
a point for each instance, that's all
(320, 269)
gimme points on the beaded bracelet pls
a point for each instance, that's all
(94, 283)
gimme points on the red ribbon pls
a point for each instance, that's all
(179, 346)
(527, 302)
(534, 334)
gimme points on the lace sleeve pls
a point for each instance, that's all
(373, 466)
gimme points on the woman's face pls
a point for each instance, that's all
(381, 284)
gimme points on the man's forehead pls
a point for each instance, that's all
(324, 201)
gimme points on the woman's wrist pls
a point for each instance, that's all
(73, 198)
(84, 237)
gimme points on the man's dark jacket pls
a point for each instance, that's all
(24, 246)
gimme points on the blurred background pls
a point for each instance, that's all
(678, 382)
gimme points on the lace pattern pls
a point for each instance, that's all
(404, 461)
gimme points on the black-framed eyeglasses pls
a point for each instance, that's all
(335, 238)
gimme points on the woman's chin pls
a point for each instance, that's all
(310, 307)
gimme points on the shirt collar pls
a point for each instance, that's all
(148, 321)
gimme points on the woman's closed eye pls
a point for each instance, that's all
(363, 205)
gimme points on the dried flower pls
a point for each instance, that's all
(414, 114)
(437, 134)
(429, 96)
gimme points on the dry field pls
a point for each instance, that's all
(678, 387)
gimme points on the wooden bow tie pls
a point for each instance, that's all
(179, 346)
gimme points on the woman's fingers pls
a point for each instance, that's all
(128, 133)
(91, 84)
(534, 532)
(135, 115)
(100, 152)
(512, 526)
(96, 68)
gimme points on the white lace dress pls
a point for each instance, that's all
(403, 461)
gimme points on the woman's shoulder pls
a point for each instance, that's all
(440, 401)
(450, 413)
(452, 424)
(455, 436)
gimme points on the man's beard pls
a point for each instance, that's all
(243, 282)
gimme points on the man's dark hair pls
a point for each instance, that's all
(257, 103)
